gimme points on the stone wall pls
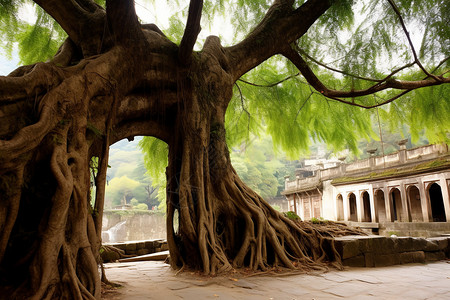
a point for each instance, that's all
(416, 229)
(378, 251)
(130, 225)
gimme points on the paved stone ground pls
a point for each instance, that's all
(155, 280)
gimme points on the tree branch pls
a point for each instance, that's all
(312, 79)
(123, 21)
(84, 24)
(40, 78)
(191, 32)
(416, 59)
(270, 84)
(282, 25)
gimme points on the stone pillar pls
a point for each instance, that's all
(445, 195)
(372, 204)
(372, 157)
(387, 204)
(346, 204)
(406, 207)
(295, 204)
(301, 209)
(286, 180)
(342, 165)
(402, 151)
(425, 201)
(359, 206)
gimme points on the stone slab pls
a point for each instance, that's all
(149, 257)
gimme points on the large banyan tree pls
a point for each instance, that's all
(114, 77)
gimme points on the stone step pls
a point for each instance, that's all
(154, 256)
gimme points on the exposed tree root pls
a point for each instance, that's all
(225, 226)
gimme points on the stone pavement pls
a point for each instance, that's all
(155, 280)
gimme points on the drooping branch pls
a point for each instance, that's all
(390, 83)
(416, 58)
(302, 52)
(191, 32)
(270, 84)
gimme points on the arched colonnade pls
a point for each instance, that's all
(418, 199)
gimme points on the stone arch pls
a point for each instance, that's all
(380, 206)
(353, 216)
(415, 202)
(367, 212)
(437, 202)
(395, 198)
(339, 208)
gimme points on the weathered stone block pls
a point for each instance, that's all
(420, 244)
(431, 246)
(403, 244)
(382, 260)
(383, 245)
(130, 247)
(442, 242)
(140, 245)
(150, 246)
(369, 260)
(348, 248)
(142, 251)
(412, 257)
(164, 247)
(121, 246)
(435, 256)
(356, 261)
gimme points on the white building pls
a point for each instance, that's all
(406, 186)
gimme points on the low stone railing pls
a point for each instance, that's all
(398, 159)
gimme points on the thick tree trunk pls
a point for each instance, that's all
(223, 224)
(53, 247)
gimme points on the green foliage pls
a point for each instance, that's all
(293, 113)
(156, 155)
(36, 41)
(257, 165)
(276, 207)
(141, 206)
(292, 216)
(132, 212)
(120, 189)
(134, 202)
(320, 220)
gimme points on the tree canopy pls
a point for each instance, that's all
(96, 73)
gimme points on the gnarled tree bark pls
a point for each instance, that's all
(117, 80)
